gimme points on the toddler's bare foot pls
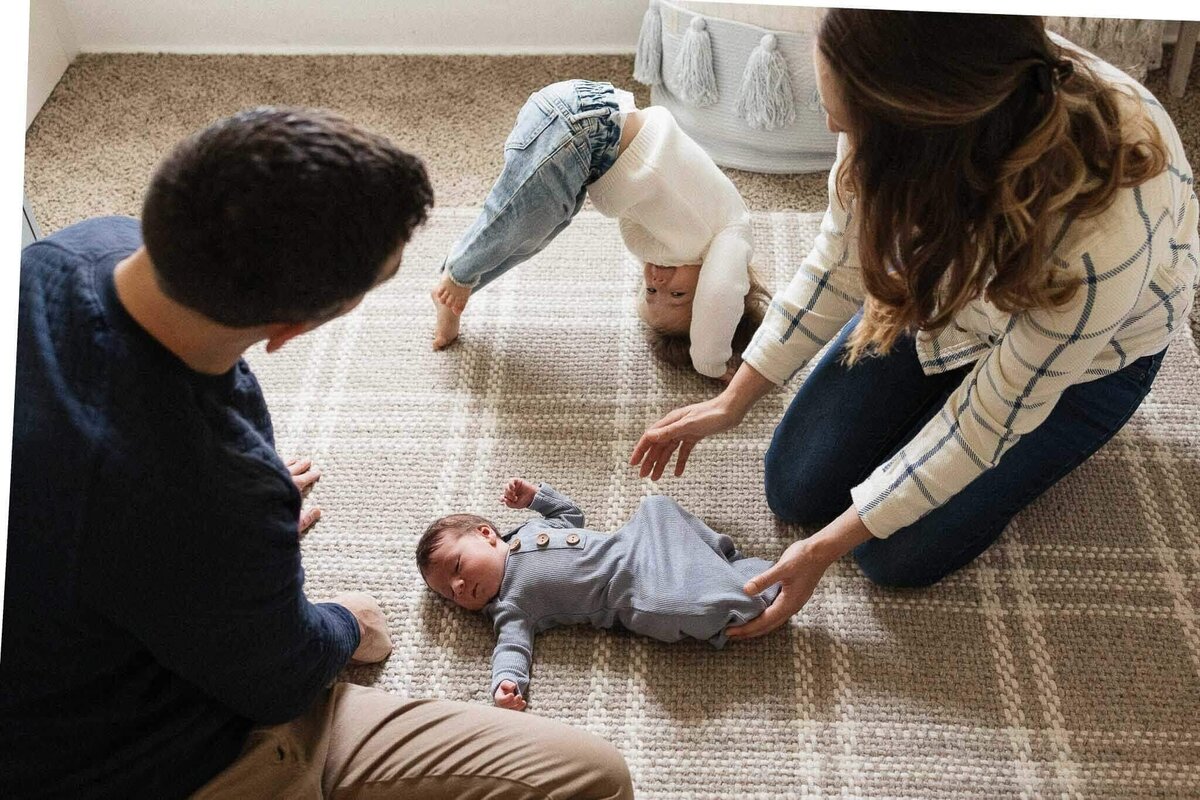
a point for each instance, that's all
(450, 300)
(446, 329)
(451, 295)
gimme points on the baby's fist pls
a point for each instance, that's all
(518, 494)
(507, 696)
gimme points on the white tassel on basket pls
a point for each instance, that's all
(647, 64)
(765, 100)
(695, 81)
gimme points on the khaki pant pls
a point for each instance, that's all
(364, 743)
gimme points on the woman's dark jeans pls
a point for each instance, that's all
(845, 421)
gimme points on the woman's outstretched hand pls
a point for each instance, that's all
(683, 427)
(679, 430)
(799, 570)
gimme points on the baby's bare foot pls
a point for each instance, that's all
(446, 329)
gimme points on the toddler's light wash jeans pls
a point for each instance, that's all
(567, 135)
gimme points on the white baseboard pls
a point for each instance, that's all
(308, 50)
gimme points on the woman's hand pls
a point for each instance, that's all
(680, 429)
(683, 427)
(799, 570)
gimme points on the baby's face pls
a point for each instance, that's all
(468, 568)
(667, 296)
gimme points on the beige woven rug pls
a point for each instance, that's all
(1065, 662)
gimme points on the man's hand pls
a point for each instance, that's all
(507, 696)
(304, 475)
(374, 643)
(518, 494)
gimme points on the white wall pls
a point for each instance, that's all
(52, 47)
(360, 26)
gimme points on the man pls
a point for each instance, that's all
(157, 640)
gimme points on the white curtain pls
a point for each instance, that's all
(1133, 45)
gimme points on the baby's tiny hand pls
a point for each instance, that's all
(507, 696)
(518, 494)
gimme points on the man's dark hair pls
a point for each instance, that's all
(279, 215)
(440, 530)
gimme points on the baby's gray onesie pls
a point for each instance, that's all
(665, 574)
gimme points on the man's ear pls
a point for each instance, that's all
(281, 333)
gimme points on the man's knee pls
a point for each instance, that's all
(606, 773)
(616, 783)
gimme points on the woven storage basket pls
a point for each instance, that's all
(803, 144)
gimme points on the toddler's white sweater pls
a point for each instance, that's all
(675, 206)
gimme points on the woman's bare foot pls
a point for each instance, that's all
(446, 329)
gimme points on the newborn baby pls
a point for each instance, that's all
(664, 574)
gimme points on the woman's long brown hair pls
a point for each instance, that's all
(973, 137)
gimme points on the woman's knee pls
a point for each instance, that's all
(798, 492)
(894, 566)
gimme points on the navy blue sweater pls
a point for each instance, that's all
(154, 608)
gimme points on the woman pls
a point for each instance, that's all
(1010, 243)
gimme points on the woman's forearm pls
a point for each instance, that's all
(839, 537)
(747, 388)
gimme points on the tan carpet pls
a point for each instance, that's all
(93, 146)
(1067, 661)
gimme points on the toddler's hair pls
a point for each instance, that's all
(450, 525)
(673, 346)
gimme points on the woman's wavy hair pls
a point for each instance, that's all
(972, 137)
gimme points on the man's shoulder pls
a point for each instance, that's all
(88, 240)
(61, 273)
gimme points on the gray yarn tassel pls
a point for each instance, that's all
(694, 78)
(647, 65)
(765, 100)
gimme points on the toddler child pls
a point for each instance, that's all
(664, 574)
(679, 214)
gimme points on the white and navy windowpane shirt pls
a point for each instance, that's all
(1137, 264)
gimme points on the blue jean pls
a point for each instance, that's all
(567, 135)
(845, 421)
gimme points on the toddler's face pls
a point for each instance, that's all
(468, 568)
(667, 296)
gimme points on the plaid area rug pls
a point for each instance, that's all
(1064, 662)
